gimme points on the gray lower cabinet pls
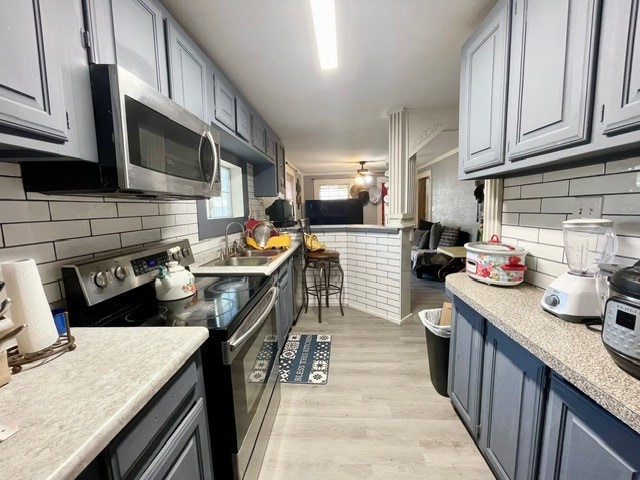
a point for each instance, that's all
(483, 91)
(167, 439)
(621, 112)
(551, 75)
(511, 406)
(225, 103)
(465, 364)
(187, 70)
(284, 310)
(582, 441)
(140, 41)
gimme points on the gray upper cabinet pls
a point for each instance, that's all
(483, 91)
(270, 145)
(140, 42)
(581, 440)
(281, 169)
(31, 94)
(551, 75)
(243, 120)
(621, 112)
(465, 364)
(511, 407)
(258, 134)
(225, 103)
(187, 70)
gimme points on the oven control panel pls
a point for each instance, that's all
(106, 277)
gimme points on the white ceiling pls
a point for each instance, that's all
(391, 53)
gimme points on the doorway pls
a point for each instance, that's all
(424, 196)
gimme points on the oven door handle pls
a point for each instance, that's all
(234, 342)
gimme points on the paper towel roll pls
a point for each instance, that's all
(29, 306)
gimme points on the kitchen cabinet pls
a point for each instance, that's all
(581, 440)
(465, 364)
(284, 310)
(281, 173)
(225, 103)
(258, 134)
(551, 75)
(483, 91)
(45, 93)
(168, 438)
(243, 120)
(271, 144)
(140, 41)
(620, 67)
(511, 407)
(187, 70)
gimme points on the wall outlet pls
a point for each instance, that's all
(588, 207)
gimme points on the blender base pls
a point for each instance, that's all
(572, 298)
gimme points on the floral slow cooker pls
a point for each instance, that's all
(495, 263)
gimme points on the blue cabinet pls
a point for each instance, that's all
(511, 406)
(284, 310)
(465, 364)
(583, 441)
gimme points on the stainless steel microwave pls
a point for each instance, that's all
(148, 146)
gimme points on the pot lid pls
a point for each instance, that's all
(494, 246)
(627, 281)
(587, 223)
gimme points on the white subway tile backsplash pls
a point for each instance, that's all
(510, 218)
(629, 247)
(551, 237)
(626, 165)
(521, 233)
(41, 253)
(62, 198)
(52, 292)
(138, 238)
(159, 221)
(10, 169)
(625, 225)
(524, 180)
(521, 206)
(38, 232)
(132, 209)
(174, 208)
(83, 246)
(11, 188)
(628, 204)
(618, 183)
(558, 205)
(115, 225)
(174, 232)
(23, 211)
(549, 252)
(538, 279)
(75, 210)
(541, 190)
(586, 171)
(511, 193)
(542, 220)
(555, 269)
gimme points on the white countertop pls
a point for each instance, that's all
(69, 407)
(206, 270)
(573, 351)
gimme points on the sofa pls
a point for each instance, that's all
(425, 259)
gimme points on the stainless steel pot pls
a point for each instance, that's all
(495, 263)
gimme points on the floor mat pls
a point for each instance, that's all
(305, 359)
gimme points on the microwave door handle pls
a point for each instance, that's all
(235, 343)
(215, 160)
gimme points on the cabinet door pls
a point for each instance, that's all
(465, 364)
(281, 169)
(188, 70)
(483, 91)
(258, 134)
(581, 440)
(243, 120)
(551, 75)
(621, 113)
(225, 104)
(284, 310)
(512, 405)
(271, 145)
(31, 94)
(140, 42)
(187, 453)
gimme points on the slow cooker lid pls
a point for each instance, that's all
(494, 247)
(627, 281)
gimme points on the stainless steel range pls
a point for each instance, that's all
(239, 358)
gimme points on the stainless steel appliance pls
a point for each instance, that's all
(149, 146)
(621, 322)
(240, 363)
(573, 296)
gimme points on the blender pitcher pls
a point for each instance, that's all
(588, 242)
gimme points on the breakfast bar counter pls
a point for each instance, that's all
(571, 350)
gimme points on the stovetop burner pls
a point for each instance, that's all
(145, 313)
(231, 285)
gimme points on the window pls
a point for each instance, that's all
(215, 213)
(334, 192)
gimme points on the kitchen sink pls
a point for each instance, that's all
(242, 262)
(248, 252)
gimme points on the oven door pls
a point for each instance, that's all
(160, 147)
(252, 354)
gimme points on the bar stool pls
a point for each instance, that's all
(321, 262)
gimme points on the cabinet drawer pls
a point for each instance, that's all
(156, 419)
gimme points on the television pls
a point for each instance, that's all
(281, 213)
(334, 212)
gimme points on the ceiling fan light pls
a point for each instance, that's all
(368, 178)
(359, 180)
(324, 22)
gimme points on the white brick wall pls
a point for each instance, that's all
(58, 230)
(535, 206)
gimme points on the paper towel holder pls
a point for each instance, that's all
(66, 342)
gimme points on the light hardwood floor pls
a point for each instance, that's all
(378, 417)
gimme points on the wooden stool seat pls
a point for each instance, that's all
(323, 255)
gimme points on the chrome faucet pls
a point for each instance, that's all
(226, 251)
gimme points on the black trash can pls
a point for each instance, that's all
(438, 339)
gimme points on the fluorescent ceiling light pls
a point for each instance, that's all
(324, 22)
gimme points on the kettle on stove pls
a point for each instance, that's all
(174, 282)
(621, 319)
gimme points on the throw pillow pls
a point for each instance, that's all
(425, 225)
(449, 237)
(434, 237)
(417, 238)
(424, 241)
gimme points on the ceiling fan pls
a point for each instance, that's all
(362, 188)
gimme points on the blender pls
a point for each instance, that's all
(573, 296)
